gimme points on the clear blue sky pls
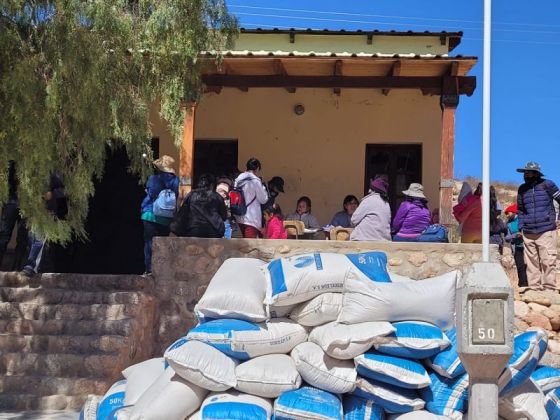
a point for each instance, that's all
(525, 60)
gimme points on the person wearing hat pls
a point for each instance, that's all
(274, 187)
(515, 238)
(163, 178)
(537, 222)
(372, 218)
(413, 215)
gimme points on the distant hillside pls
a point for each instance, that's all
(506, 191)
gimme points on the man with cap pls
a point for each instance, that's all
(275, 186)
(537, 222)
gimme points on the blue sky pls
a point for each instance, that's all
(525, 59)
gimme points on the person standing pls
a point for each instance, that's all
(515, 238)
(164, 178)
(255, 195)
(537, 222)
(275, 186)
(469, 214)
(11, 216)
(372, 218)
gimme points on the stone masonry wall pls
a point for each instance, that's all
(183, 268)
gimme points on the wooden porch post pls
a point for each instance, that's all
(186, 152)
(449, 106)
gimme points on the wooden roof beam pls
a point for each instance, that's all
(395, 71)
(280, 70)
(464, 85)
(337, 72)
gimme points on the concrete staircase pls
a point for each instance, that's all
(64, 336)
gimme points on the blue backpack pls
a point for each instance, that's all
(434, 233)
(165, 203)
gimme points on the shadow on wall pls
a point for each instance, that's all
(114, 228)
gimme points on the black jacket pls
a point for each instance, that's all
(201, 215)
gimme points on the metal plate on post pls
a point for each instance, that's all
(487, 321)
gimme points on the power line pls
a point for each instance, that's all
(387, 23)
(390, 16)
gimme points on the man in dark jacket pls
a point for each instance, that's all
(537, 222)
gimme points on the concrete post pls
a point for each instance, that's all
(484, 334)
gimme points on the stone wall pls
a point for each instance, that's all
(183, 267)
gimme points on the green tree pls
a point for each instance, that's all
(77, 75)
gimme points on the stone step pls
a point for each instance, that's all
(35, 311)
(24, 402)
(42, 386)
(96, 283)
(15, 279)
(58, 296)
(74, 344)
(59, 365)
(65, 327)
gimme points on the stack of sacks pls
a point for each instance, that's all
(320, 336)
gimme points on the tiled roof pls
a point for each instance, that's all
(263, 53)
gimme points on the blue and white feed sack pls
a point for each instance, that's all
(445, 396)
(308, 403)
(233, 405)
(414, 340)
(398, 371)
(447, 362)
(552, 404)
(547, 378)
(393, 399)
(111, 401)
(300, 278)
(528, 349)
(244, 340)
(357, 408)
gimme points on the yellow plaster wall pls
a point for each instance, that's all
(342, 43)
(321, 153)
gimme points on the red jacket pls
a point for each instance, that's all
(275, 229)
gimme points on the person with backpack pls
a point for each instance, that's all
(56, 203)
(203, 212)
(158, 207)
(537, 222)
(246, 199)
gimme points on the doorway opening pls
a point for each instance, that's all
(216, 157)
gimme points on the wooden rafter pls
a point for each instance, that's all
(280, 70)
(465, 85)
(395, 71)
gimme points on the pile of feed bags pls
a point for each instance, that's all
(323, 336)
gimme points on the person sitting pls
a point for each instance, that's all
(469, 213)
(413, 215)
(372, 218)
(274, 227)
(344, 218)
(202, 213)
(303, 213)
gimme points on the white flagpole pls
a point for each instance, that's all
(486, 130)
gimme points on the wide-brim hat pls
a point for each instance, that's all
(165, 164)
(531, 166)
(415, 190)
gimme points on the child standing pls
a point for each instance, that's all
(274, 228)
(515, 238)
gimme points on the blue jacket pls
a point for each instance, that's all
(535, 206)
(156, 183)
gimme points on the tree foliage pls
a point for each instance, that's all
(78, 75)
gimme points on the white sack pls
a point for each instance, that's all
(124, 413)
(140, 376)
(322, 371)
(268, 376)
(343, 341)
(170, 397)
(524, 402)
(319, 310)
(300, 278)
(237, 290)
(233, 405)
(201, 364)
(280, 311)
(112, 400)
(431, 300)
(416, 415)
(89, 409)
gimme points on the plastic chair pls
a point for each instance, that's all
(340, 234)
(294, 228)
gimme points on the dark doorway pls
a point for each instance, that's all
(216, 157)
(400, 163)
(115, 243)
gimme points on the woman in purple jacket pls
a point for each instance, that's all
(413, 215)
